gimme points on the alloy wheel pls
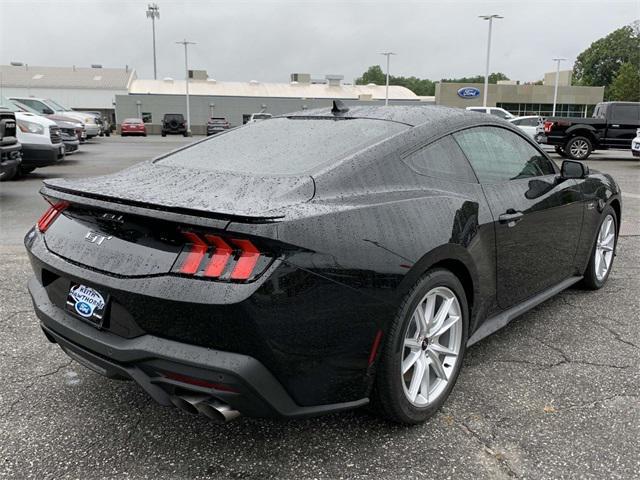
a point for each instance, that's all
(431, 348)
(605, 244)
(579, 148)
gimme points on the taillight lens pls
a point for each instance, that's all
(548, 126)
(50, 215)
(227, 259)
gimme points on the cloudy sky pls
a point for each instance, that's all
(268, 39)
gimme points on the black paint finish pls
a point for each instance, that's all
(350, 236)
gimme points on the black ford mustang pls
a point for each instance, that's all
(318, 261)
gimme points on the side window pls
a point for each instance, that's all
(518, 122)
(498, 113)
(625, 113)
(498, 155)
(441, 159)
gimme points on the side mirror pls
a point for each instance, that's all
(572, 169)
(47, 111)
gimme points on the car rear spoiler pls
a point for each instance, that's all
(172, 214)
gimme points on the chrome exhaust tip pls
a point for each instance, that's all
(217, 411)
(211, 408)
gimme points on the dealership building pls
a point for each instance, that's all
(524, 99)
(119, 94)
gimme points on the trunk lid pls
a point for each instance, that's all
(210, 193)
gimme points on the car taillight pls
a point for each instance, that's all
(50, 215)
(226, 259)
(548, 126)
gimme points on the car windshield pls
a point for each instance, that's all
(283, 146)
(8, 104)
(57, 106)
(261, 116)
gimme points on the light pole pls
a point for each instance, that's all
(555, 90)
(386, 90)
(153, 12)
(486, 69)
(186, 80)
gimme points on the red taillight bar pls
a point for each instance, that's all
(220, 257)
(217, 253)
(197, 251)
(50, 215)
(247, 261)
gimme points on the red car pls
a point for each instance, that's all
(133, 126)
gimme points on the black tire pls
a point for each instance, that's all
(185, 134)
(578, 148)
(164, 134)
(389, 398)
(10, 175)
(123, 135)
(108, 134)
(26, 170)
(590, 280)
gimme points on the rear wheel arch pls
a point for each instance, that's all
(582, 131)
(615, 204)
(450, 257)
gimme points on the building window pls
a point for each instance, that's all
(546, 109)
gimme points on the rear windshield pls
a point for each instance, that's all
(132, 120)
(173, 116)
(283, 146)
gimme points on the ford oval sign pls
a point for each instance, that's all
(468, 92)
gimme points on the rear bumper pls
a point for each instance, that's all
(247, 385)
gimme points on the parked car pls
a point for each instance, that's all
(258, 117)
(174, 123)
(69, 134)
(635, 145)
(41, 139)
(612, 126)
(253, 273)
(528, 124)
(81, 131)
(133, 126)
(46, 106)
(10, 148)
(103, 122)
(498, 112)
(217, 125)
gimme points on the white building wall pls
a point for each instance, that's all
(79, 98)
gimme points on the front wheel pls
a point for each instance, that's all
(423, 352)
(578, 148)
(603, 251)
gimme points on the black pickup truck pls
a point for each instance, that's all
(10, 149)
(613, 125)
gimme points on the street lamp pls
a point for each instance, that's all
(139, 108)
(153, 12)
(555, 90)
(386, 91)
(186, 81)
(486, 70)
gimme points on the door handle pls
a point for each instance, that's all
(511, 217)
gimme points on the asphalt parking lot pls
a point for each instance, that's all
(555, 394)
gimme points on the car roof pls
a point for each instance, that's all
(435, 115)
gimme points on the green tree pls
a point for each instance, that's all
(493, 78)
(598, 65)
(373, 75)
(626, 84)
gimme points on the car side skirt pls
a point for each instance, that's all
(496, 322)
